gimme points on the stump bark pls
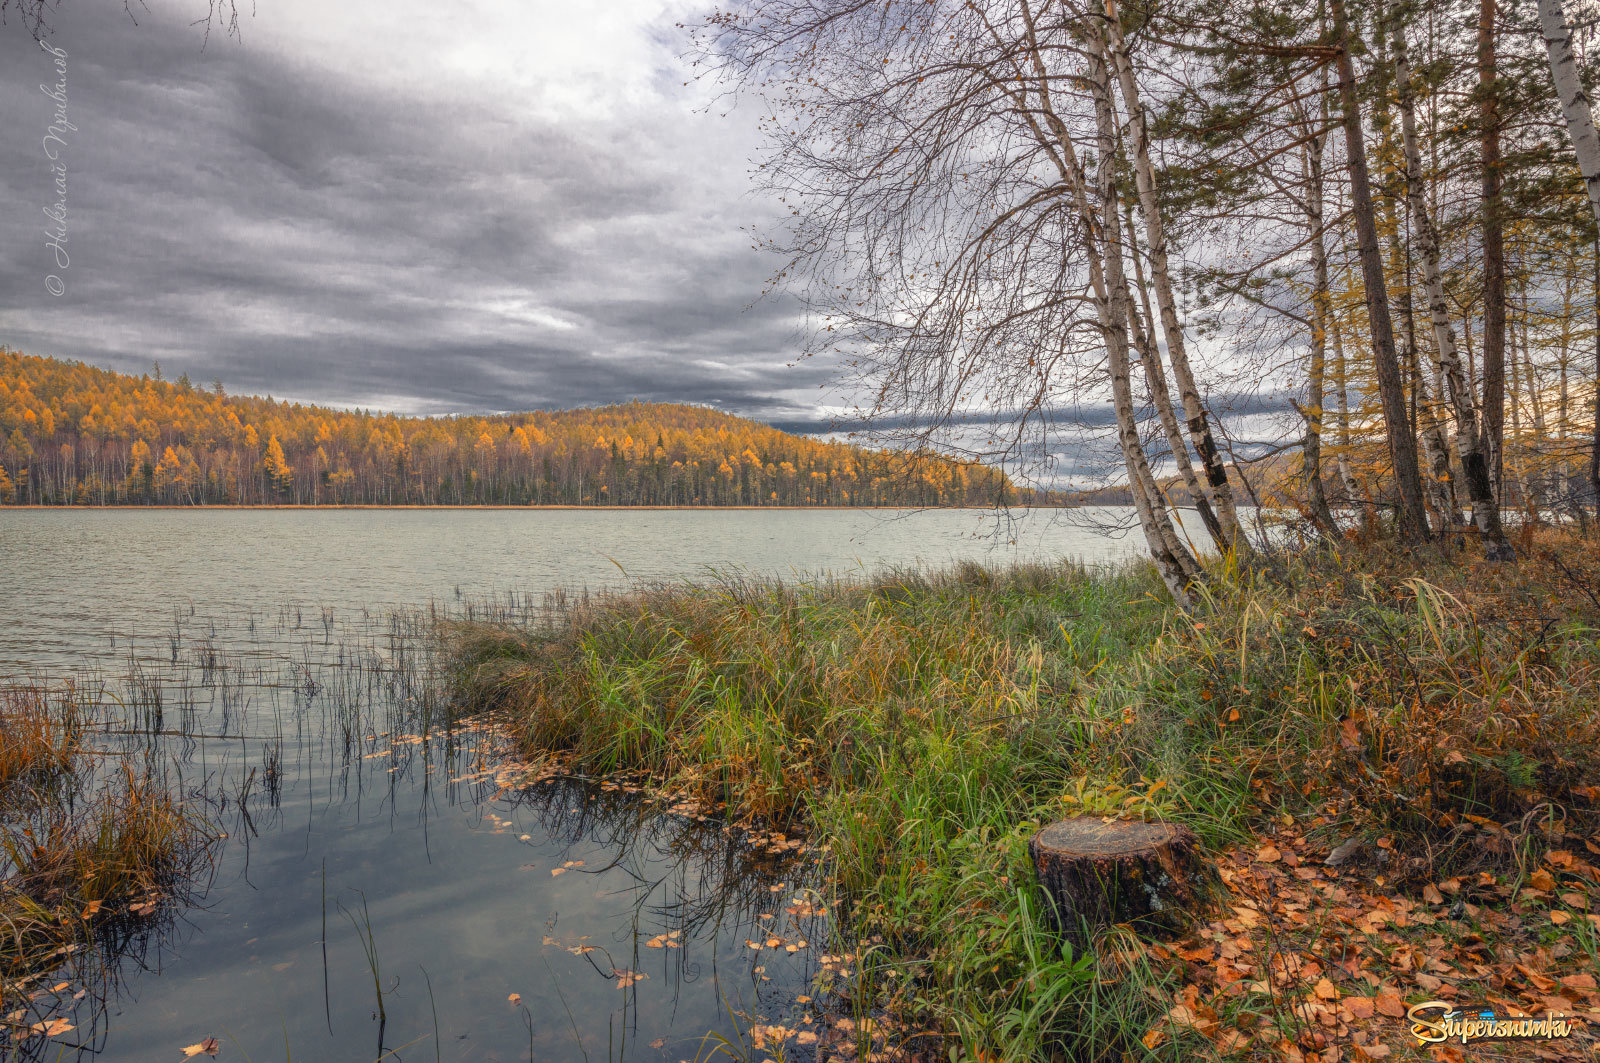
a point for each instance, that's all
(1095, 872)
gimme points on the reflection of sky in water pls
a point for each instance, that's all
(450, 868)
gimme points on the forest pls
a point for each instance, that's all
(72, 434)
(1380, 217)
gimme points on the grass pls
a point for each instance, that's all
(922, 725)
(85, 855)
(39, 742)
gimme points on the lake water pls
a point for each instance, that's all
(384, 891)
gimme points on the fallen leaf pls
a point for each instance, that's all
(50, 1027)
(627, 978)
(1326, 990)
(1542, 880)
(554, 871)
(1391, 1005)
(514, 999)
(208, 1047)
(1268, 854)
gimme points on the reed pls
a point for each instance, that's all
(39, 738)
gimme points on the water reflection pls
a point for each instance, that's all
(392, 884)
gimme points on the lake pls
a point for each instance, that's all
(388, 888)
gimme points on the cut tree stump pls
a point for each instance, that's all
(1096, 871)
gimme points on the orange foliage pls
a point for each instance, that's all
(74, 434)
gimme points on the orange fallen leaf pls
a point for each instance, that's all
(50, 1027)
(1326, 989)
(1358, 1007)
(514, 999)
(1542, 880)
(208, 1047)
(1391, 1005)
(1268, 854)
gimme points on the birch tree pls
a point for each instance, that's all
(1586, 143)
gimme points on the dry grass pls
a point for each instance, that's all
(38, 740)
(80, 850)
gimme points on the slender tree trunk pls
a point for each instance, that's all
(1155, 375)
(1341, 386)
(1227, 532)
(1574, 101)
(1102, 241)
(1594, 447)
(1494, 253)
(1178, 568)
(1321, 313)
(1412, 521)
(1456, 388)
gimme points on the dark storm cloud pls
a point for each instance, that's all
(290, 227)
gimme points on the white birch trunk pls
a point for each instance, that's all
(1574, 101)
(1221, 493)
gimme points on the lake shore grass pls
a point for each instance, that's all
(1431, 718)
(84, 855)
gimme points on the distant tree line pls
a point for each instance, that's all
(71, 434)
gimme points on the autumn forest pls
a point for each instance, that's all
(71, 434)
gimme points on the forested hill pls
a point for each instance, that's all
(74, 434)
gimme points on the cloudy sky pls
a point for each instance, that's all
(396, 204)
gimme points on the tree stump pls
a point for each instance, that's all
(1095, 872)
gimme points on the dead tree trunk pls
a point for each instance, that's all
(1096, 872)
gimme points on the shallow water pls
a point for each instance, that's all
(273, 664)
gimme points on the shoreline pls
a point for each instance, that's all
(508, 506)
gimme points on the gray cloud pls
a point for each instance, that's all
(314, 224)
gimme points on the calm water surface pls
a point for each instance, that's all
(273, 664)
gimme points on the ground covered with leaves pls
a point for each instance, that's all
(1425, 721)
